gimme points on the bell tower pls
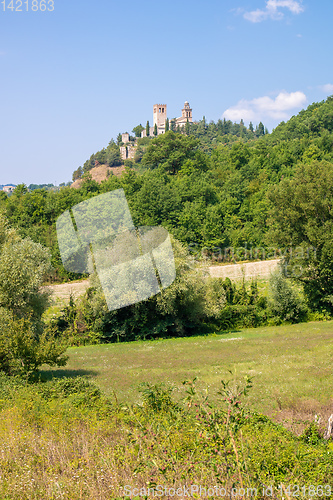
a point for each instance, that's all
(187, 112)
(160, 116)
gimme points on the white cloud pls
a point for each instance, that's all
(265, 108)
(328, 88)
(272, 11)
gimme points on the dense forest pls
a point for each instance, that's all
(224, 191)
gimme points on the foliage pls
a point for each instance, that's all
(169, 151)
(23, 350)
(137, 130)
(102, 445)
(301, 218)
(157, 397)
(23, 265)
(286, 305)
(245, 306)
(177, 310)
(220, 190)
(24, 346)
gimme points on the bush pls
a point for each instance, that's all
(129, 163)
(285, 303)
(157, 397)
(24, 344)
(245, 307)
(23, 350)
(191, 300)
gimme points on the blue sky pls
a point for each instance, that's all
(73, 78)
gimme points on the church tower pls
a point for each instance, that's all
(160, 116)
(187, 112)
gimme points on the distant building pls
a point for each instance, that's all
(127, 152)
(125, 137)
(160, 117)
(9, 188)
(186, 115)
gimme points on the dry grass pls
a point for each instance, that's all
(291, 365)
(100, 174)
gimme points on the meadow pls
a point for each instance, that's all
(134, 420)
(291, 365)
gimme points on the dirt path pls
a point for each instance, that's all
(261, 269)
(63, 291)
(249, 270)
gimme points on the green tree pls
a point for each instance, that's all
(119, 139)
(155, 129)
(260, 130)
(285, 303)
(101, 156)
(169, 151)
(112, 156)
(24, 343)
(167, 125)
(178, 310)
(147, 129)
(301, 222)
(77, 174)
(137, 130)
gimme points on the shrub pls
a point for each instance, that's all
(157, 397)
(285, 304)
(191, 300)
(23, 350)
(24, 344)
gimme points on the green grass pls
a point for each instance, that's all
(291, 365)
(65, 440)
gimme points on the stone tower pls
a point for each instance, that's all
(187, 112)
(160, 116)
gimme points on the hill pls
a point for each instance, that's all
(233, 200)
(100, 173)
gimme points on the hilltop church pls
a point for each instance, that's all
(127, 151)
(160, 118)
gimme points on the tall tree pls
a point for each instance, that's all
(155, 129)
(261, 129)
(302, 223)
(147, 129)
(167, 124)
(169, 151)
(137, 130)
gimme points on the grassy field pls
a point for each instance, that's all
(291, 366)
(66, 440)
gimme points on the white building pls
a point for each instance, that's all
(160, 117)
